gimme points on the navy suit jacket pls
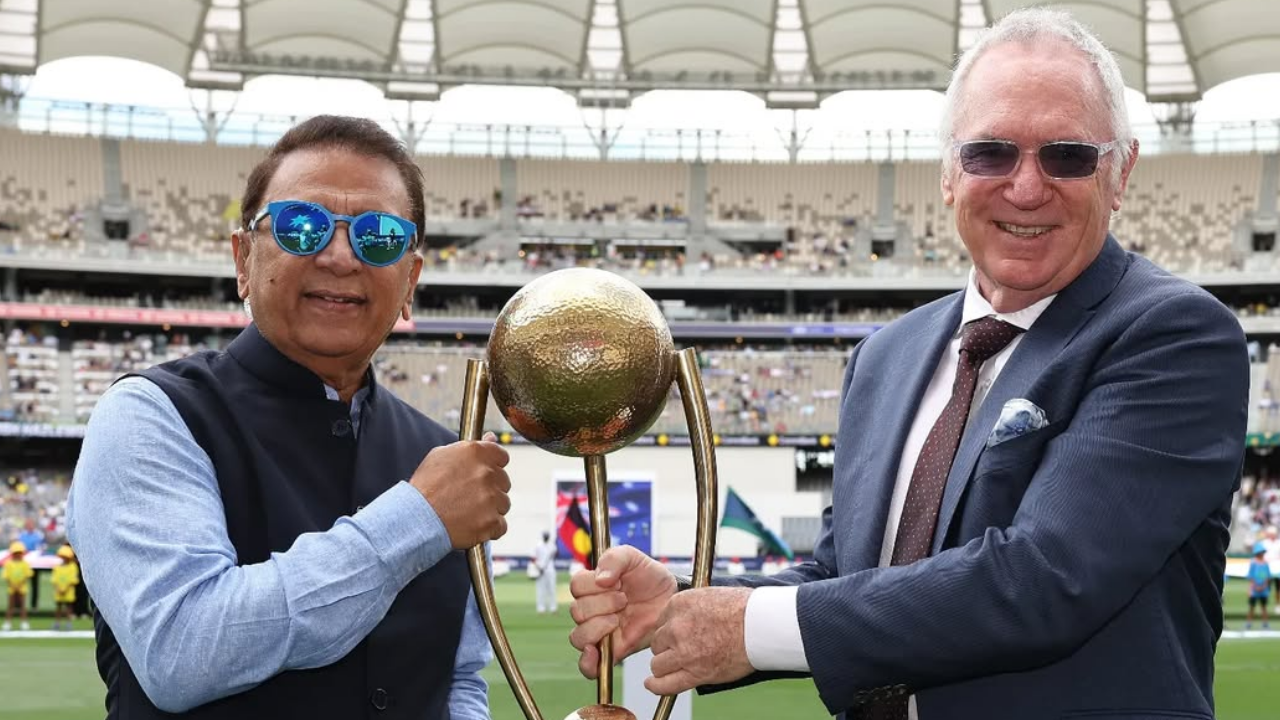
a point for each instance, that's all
(1076, 570)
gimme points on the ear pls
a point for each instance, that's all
(1124, 177)
(415, 270)
(948, 192)
(240, 247)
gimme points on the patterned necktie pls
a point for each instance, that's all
(979, 341)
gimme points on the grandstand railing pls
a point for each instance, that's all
(821, 143)
(114, 256)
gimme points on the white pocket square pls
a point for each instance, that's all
(1017, 418)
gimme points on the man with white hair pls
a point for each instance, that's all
(1033, 476)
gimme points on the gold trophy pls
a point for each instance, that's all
(580, 362)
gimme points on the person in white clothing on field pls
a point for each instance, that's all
(544, 559)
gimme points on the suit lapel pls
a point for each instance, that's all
(918, 356)
(1053, 331)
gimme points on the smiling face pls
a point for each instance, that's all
(328, 312)
(1030, 236)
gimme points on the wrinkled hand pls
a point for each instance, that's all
(700, 640)
(623, 597)
(467, 487)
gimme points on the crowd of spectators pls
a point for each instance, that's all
(33, 504)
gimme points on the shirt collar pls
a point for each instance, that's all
(976, 306)
(356, 399)
(357, 402)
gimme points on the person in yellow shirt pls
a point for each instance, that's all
(17, 579)
(65, 579)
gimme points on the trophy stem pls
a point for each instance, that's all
(698, 418)
(598, 503)
(475, 399)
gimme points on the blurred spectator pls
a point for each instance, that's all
(1271, 548)
(1259, 586)
(17, 579)
(65, 579)
(31, 538)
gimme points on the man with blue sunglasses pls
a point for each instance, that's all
(289, 550)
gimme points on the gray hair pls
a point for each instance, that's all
(1028, 26)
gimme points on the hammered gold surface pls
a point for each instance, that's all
(581, 362)
(601, 712)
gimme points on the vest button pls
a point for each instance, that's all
(341, 427)
(380, 699)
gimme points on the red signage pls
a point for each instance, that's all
(136, 316)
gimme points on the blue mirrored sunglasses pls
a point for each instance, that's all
(305, 228)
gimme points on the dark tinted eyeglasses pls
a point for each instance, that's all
(1067, 160)
(305, 228)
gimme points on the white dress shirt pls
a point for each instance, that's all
(772, 628)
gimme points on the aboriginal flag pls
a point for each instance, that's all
(576, 534)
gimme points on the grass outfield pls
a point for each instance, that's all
(55, 679)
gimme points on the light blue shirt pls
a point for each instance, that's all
(33, 541)
(146, 519)
(1260, 578)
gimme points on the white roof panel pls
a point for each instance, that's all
(1228, 39)
(330, 28)
(906, 37)
(498, 34)
(162, 34)
(670, 36)
(1174, 49)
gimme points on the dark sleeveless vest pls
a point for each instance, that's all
(288, 463)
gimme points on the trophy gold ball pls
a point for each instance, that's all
(581, 362)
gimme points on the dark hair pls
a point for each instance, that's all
(358, 135)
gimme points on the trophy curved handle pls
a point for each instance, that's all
(475, 401)
(698, 417)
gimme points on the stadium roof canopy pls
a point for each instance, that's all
(792, 52)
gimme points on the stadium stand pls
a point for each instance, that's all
(918, 203)
(750, 390)
(459, 187)
(36, 494)
(1256, 507)
(1184, 211)
(46, 182)
(190, 194)
(97, 364)
(32, 377)
(817, 197)
(1263, 404)
(598, 191)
